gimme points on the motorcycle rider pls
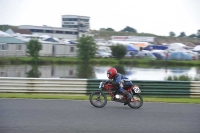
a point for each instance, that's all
(120, 81)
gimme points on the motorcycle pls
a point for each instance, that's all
(99, 99)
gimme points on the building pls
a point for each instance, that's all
(20, 31)
(79, 23)
(10, 46)
(133, 39)
(54, 32)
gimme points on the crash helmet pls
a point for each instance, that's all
(111, 72)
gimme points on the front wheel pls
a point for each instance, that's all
(136, 101)
(98, 99)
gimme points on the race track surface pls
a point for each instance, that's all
(68, 116)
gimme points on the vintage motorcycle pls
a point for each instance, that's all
(99, 99)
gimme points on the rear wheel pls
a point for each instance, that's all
(98, 99)
(136, 101)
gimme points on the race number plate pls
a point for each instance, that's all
(136, 89)
(101, 85)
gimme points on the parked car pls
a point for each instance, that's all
(146, 55)
(102, 54)
(130, 54)
(159, 56)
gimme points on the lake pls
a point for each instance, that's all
(96, 71)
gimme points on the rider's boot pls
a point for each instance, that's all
(128, 95)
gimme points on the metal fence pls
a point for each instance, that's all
(86, 86)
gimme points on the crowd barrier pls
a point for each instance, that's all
(86, 86)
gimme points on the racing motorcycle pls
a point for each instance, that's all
(99, 99)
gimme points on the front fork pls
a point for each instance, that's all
(98, 98)
(134, 99)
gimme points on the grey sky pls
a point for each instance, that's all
(148, 16)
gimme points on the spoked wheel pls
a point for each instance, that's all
(136, 101)
(98, 99)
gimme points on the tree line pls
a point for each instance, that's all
(182, 34)
(171, 33)
(126, 29)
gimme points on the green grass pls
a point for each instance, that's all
(102, 61)
(86, 97)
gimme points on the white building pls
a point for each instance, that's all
(80, 24)
(54, 32)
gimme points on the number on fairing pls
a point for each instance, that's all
(137, 89)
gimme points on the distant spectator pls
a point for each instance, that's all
(132, 54)
(167, 55)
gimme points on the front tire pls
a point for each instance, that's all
(136, 101)
(98, 99)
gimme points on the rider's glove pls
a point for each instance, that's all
(108, 81)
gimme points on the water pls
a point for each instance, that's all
(96, 72)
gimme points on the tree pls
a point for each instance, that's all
(129, 29)
(192, 35)
(107, 29)
(110, 29)
(34, 72)
(33, 48)
(172, 34)
(102, 29)
(118, 51)
(85, 71)
(182, 34)
(198, 34)
(86, 48)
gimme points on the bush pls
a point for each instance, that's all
(118, 51)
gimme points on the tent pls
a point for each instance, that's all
(50, 40)
(71, 42)
(179, 56)
(141, 44)
(4, 34)
(177, 45)
(157, 47)
(129, 48)
(197, 48)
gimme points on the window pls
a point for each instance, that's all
(60, 32)
(38, 30)
(3, 74)
(68, 23)
(70, 72)
(84, 20)
(69, 19)
(48, 31)
(32, 30)
(68, 32)
(19, 47)
(71, 49)
(70, 26)
(3, 46)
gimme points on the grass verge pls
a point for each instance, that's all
(86, 97)
(102, 61)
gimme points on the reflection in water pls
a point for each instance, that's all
(85, 71)
(34, 72)
(96, 72)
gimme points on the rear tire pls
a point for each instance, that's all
(98, 97)
(136, 101)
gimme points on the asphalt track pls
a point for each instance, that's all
(68, 116)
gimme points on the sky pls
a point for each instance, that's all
(146, 16)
